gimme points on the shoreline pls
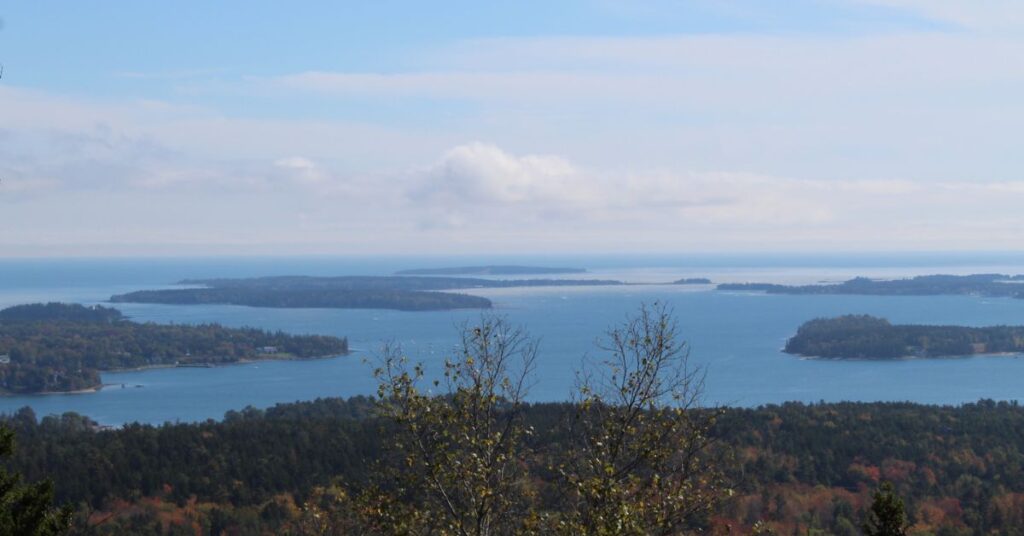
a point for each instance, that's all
(242, 361)
(86, 390)
(903, 358)
(100, 387)
(83, 391)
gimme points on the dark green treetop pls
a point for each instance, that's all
(887, 516)
(27, 509)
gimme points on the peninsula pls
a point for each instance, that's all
(992, 285)
(868, 337)
(59, 347)
(404, 293)
(492, 270)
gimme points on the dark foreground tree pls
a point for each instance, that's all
(27, 509)
(887, 517)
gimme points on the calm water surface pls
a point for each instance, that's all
(737, 336)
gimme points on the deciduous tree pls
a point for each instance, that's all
(460, 441)
(642, 462)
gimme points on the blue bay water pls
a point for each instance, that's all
(736, 336)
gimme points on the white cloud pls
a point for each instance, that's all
(924, 105)
(974, 14)
(302, 170)
(482, 173)
(481, 188)
(477, 85)
(481, 197)
(688, 70)
(24, 186)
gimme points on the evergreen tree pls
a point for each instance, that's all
(887, 517)
(27, 509)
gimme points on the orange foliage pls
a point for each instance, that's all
(865, 472)
(929, 476)
(1008, 509)
(897, 470)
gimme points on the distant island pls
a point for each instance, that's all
(59, 347)
(992, 285)
(402, 300)
(692, 281)
(404, 293)
(492, 270)
(868, 337)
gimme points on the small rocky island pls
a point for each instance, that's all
(59, 347)
(869, 337)
(403, 293)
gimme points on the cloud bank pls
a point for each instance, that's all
(886, 140)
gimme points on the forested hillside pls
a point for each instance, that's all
(795, 467)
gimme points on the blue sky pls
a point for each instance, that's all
(190, 33)
(110, 49)
(592, 126)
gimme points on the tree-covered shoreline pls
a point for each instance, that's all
(868, 337)
(401, 300)
(992, 285)
(60, 347)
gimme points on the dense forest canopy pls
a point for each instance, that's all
(62, 347)
(795, 467)
(868, 337)
(59, 312)
(995, 285)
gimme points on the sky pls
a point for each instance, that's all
(465, 127)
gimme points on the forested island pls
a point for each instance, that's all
(402, 300)
(868, 337)
(373, 282)
(993, 285)
(692, 281)
(492, 270)
(58, 347)
(404, 293)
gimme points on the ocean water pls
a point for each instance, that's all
(736, 337)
